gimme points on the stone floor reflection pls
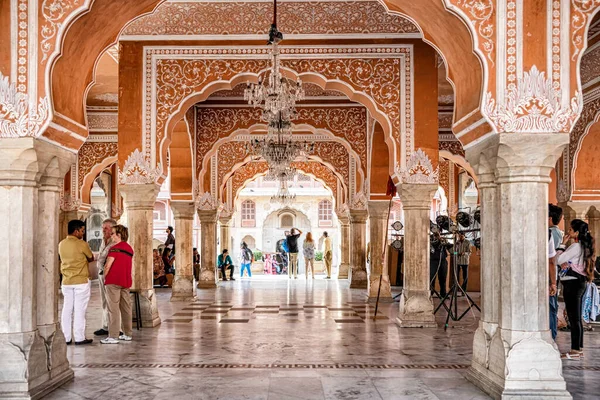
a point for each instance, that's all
(272, 338)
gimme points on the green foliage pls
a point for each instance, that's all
(318, 256)
(258, 256)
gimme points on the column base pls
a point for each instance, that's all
(148, 308)
(358, 279)
(416, 310)
(343, 271)
(183, 289)
(207, 280)
(24, 373)
(385, 294)
(519, 365)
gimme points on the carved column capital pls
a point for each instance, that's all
(183, 210)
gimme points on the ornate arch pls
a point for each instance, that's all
(460, 161)
(318, 136)
(217, 124)
(233, 154)
(253, 169)
(92, 159)
(379, 77)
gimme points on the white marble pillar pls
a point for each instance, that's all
(48, 266)
(208, 251)
(358, 249)
(138, 201)
(378, 221)
(183, 284)
(522, 360)
(574, 210)
(490, 266)
(594, 222)
(345, 247)
(225, 234)
(32, 362)
(416, 307)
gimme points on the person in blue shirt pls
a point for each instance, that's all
(224, 263)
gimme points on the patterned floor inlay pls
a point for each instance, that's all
(276, 366)
(343, 313)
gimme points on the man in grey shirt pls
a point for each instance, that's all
(107, 243)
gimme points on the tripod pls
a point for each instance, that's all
(452, 309)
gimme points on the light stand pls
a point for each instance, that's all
(452, 308)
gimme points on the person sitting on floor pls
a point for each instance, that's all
(224, 263)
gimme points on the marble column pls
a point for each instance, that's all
(378, 221)
(208, 251)
(358, 249)
(594, 222)
(138, 201)
(416, 307)
(183, 284)
(48, 267)
(490, 264)
(522, 359)
(225, 234)
(33, 361)
(345, 247)
(574, 210)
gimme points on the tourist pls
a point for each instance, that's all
(225, 263)
(75, 254)
(246, 259)
(170, 242)
(168, 260)
(292, 245)
(118, 281)
(463, 252)
(438, 264)
(555, 215)
(107, 243)
(327, 253)
(309, 254)
(158, 268)
(577, 268)
(552, 275)
(196, 262)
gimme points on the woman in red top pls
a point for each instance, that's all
(117, 281)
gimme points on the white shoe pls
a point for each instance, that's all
(109, 340)
(125, 338)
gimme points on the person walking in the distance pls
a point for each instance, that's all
(225, 263)
(309, 254)
(75, 254)
(118, 281)
(327, 253)
(292, 244)
(246, 258)
(463, 252)
(107, 243)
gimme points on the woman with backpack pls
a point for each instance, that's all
(247, 257)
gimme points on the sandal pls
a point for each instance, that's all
(571, 356)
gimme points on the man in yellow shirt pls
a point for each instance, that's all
(327, 253)
(74, 256)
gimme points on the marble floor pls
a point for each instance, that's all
(274, 338)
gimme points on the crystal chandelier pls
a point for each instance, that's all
(287, 173)
(276, 95)
(283, 196)
(279, 152)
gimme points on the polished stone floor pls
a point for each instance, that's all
(274, 338)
